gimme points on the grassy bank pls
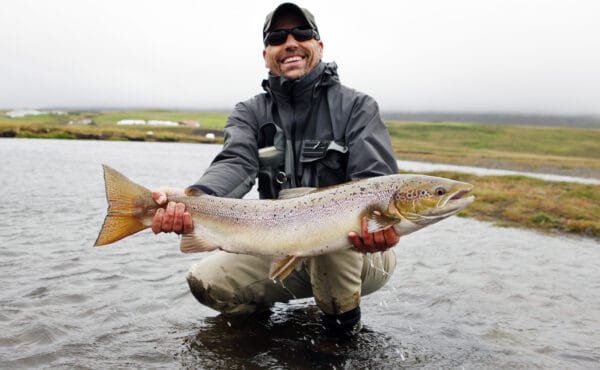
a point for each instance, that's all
(505, 200)
(558, 150)
(104, 126)
(520, 201)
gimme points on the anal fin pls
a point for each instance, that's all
(282, 267)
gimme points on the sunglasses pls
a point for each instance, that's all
(278, 37)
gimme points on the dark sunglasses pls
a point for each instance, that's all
(278, 37)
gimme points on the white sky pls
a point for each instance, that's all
(476, 55)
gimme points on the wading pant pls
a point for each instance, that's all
(240, 284)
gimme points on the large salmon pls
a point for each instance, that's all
(303, 222)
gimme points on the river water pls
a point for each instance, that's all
(465, 294)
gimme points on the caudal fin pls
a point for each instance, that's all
(128, 205)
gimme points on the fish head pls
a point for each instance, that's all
(424, 200)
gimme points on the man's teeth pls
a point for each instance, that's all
(292, 59)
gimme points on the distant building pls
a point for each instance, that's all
(19, 113)
(83, 121)
(131, 122)
(23, 113)
(190, 123)
(154, 122)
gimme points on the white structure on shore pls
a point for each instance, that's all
(131, 122)
(154, 122)
(141, 122)
(18, 113)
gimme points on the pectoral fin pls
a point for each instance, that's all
(282, 267)
(377, 222)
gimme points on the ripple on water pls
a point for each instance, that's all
(39, 334)
(32, 361)
(38, 292)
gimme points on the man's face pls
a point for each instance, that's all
(292, 59)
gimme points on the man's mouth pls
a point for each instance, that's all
(291, 59)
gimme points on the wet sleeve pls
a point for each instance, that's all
(233, 171)
(370, 151)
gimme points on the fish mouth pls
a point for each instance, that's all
(450, 204)
(459, 194)
(455, 199)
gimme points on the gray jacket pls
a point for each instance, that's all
(328, 132)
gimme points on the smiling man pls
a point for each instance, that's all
(296, 58)
(305, 130)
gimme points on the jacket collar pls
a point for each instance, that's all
(324, 74)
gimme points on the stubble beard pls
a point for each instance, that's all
(311, 59)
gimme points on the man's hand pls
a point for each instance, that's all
(379, 241)
(174, 218)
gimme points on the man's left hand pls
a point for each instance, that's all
(379, 241)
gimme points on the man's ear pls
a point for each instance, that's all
(265, 57)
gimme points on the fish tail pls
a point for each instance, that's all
(130, 207)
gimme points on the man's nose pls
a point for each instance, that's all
(290, 41)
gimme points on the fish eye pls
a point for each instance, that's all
(440, 191)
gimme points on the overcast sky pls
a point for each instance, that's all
(462, 55)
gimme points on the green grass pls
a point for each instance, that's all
(542, 149)
(208, 120)
(552, 141)
(105, 128)
(521, 201)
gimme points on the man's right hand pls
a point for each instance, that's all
(173, 218)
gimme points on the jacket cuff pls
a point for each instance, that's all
(197, 189)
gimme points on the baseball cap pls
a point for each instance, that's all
(287, 8)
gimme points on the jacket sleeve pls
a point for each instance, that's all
(370, 151)
(233, 171)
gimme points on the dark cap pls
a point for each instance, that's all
(287, 8)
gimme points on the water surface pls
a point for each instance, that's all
(464, 294)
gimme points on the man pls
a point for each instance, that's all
(305, 130)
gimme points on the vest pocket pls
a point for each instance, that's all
(323, 162)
